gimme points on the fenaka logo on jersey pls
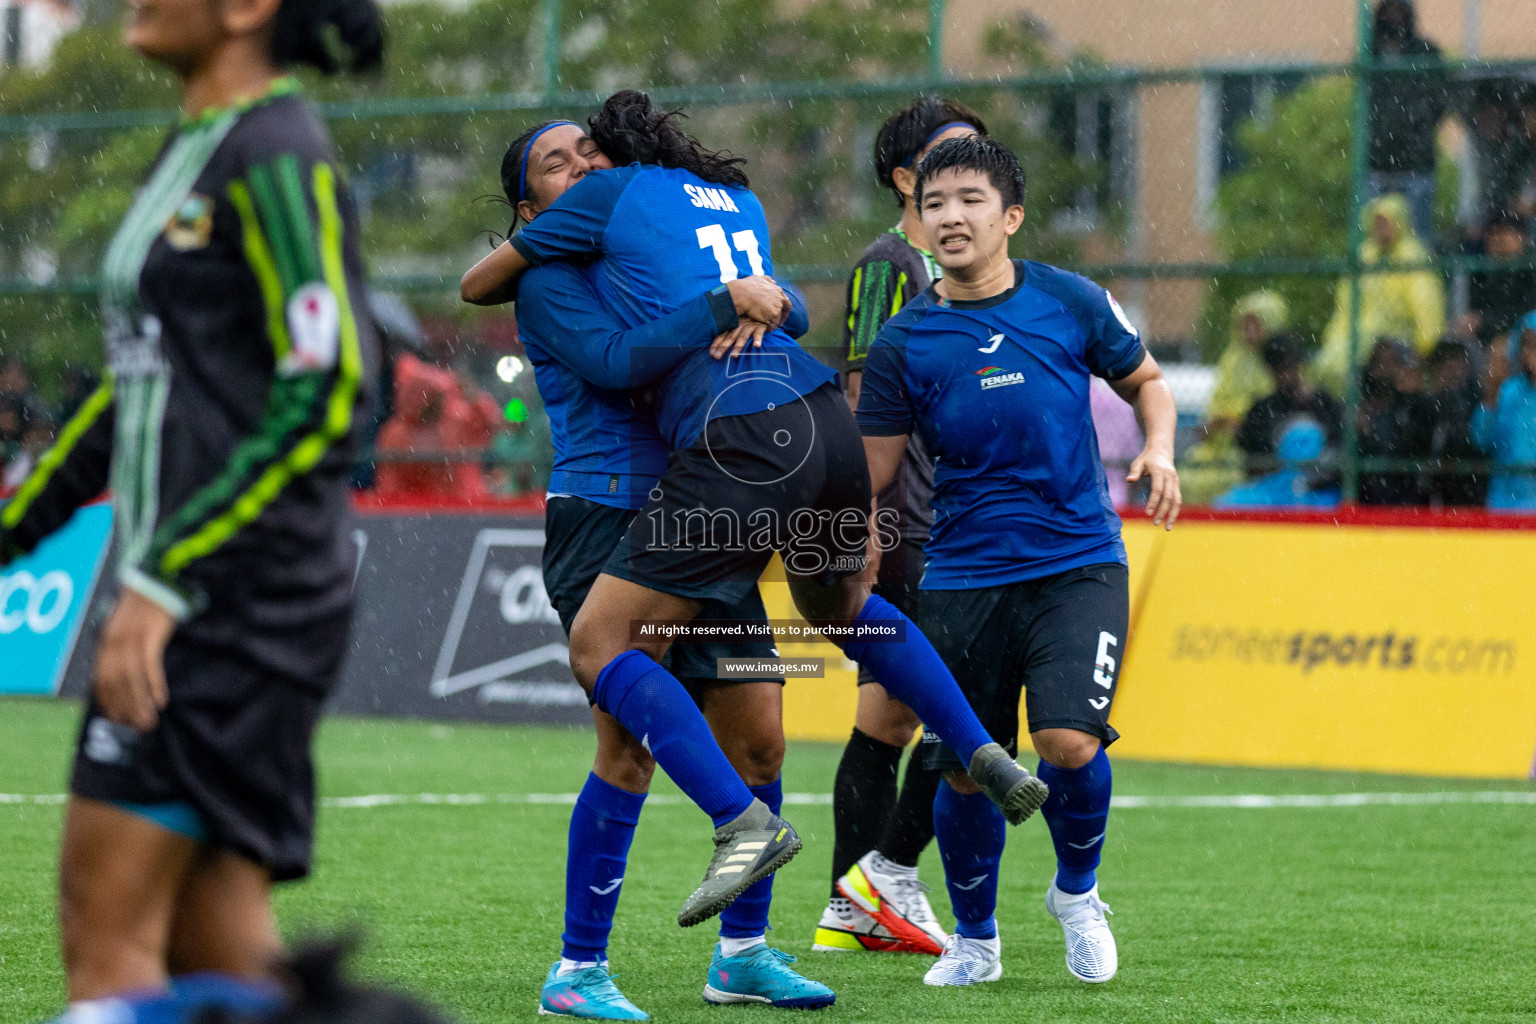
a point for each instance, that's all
(314, 330)
(191, 226)
(710, 198)
(997, 377)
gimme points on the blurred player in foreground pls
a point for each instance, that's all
(239, 350)
(311, 987)
(1026, 586)
(608, 457)
(877, 902)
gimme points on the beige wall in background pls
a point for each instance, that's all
(1218, 33)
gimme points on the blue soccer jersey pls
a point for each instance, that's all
(998, 390)
(607, 447)
(664, 237)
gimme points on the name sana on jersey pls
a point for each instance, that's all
(710, 198)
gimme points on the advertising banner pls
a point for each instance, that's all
(1377, 649)
(43, 600)
(1357, 647)
(453, 622)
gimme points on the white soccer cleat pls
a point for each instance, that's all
(893, 895)
(967, 962)
(1091, 954)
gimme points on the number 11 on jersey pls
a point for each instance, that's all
(712, 237)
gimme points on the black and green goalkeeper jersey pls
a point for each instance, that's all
(239, 359)
(890, 273)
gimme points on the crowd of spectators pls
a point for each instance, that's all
(1444, 410)
(1451, 427)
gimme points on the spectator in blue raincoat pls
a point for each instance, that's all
(1505, 425)
(1294, 485)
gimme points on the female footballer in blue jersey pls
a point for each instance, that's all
(608, 456)
(1025, 587)
(764, 459)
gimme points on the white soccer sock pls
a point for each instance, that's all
(889, 867)
(736, 947)
(572, 966)
(88, 1011)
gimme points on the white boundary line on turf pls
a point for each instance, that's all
(1237, 801)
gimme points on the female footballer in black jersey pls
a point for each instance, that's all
(239, 354)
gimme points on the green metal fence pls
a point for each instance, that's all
(807, 141)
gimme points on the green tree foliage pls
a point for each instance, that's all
(1291, 200)
(428, 183)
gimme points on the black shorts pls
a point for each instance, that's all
(901, 570)
(233, 743)
(790, 479)
(1059, 641)
(580, 536)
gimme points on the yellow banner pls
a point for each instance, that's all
(1359, 648)
(1389, 650)
(814, 709)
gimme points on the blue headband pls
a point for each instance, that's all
(522, 173)
(940, 130)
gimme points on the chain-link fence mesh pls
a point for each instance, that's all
(1258, 224)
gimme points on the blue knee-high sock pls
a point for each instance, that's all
(971, 833)
(1077, 813)
(650, 702)
(602, 827)
(748, 916)
(912, 672)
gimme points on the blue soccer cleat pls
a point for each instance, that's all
(762, 975)
(588, 993)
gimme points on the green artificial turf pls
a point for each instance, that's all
(1374, 913)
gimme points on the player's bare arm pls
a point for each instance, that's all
(1146, 389)
(493, 280)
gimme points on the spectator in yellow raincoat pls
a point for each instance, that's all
(1405, 304)
(1215, 464)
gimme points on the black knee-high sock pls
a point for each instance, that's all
(862, 797)
(909, 829)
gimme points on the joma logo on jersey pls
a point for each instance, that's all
(997, 377)
(710, 198)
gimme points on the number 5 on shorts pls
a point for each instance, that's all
(1104, 664)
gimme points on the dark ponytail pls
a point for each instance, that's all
(908, 132)
(631, 130)
(300, 29)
